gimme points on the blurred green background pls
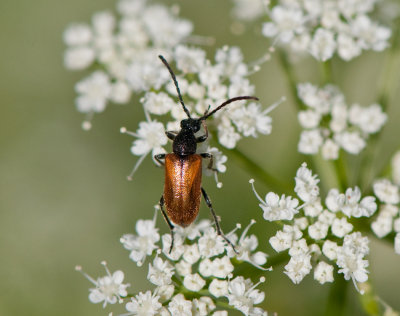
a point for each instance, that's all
(64, 198)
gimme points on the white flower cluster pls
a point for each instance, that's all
(323, 27)
(199, 265)
(329, 124)
(388, 218)
(318, 234)
(126, 50)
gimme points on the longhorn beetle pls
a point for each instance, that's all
(182, 187)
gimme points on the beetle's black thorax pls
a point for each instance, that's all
(184, 143)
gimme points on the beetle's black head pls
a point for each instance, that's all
(190, 124)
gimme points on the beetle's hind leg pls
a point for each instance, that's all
(171, 227)
(160, 158)
(219, 230)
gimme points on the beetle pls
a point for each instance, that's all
(183, 168)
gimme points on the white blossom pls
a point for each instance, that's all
(298, 267)
(306, 184)
(323, 272)
(193, 282)
(108, 289)
(179, 306)
(144, 304)
(142, 244)
(386, 191)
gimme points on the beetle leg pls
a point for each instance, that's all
(202, 138)
(219, 230)
(159, 157)
(171, 227)
(210, 164)
(171, 134)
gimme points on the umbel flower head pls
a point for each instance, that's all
(323, 28)
(126, 48)
(318, 235)
(189, 280)
(330, 125)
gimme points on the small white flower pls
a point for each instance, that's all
(323, 272)
(160, 272)
(77, 34)
(179, 306)
(94, 92)
(334, 200)
(382, 226)
(369, 119)
(326, 217)
(298, 267)
(120, 92)
(183, 268)
(248, 10)
(193, 282)
(306, 184)
(243, 295)
(318, 230)
(313, 209)
(323, 44)
(299, 247)
(330, 249)
(203, 306)
(218, 288)
(310, 141)
(330, 150)
(158, 103)
(109, 288)
(191, 254)
(352, 142)
(211, 244)
(347, 48)
(386, 191)
(353, 267)
(142, 244)
(277, 208)
(144, 304)
(341, 227)
(222, 267)
(206, 267)
(309, 119)
(77, 58)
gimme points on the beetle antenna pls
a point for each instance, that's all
(176, 84)
(207, 115)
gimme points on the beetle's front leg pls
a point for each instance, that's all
(203, 138)
(211, 163)
(219, 230)
(171, 134)
(171, 227)
(159, 159)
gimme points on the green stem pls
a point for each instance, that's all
(253, 168)
(326, 71)
(388, 84)
(337, 298)
(291, 77)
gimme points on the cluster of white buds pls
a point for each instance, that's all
(329, 124)
(388, 219)
(318, 235)
(126, 48)
(323, 28)
(189, 279)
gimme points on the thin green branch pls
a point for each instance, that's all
(253, 168)
(336, 302)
